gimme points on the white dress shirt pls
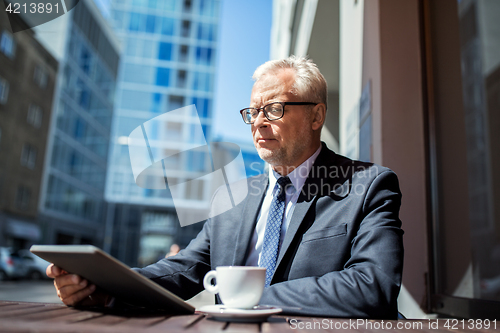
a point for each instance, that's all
(298, 178)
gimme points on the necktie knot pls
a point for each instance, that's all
(284, 182)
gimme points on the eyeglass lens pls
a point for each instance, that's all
(272, 111)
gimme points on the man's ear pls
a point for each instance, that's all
(318, 114)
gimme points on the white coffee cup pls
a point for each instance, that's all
(237, 286)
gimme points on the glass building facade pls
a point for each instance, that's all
(73, 205)
(168, 62)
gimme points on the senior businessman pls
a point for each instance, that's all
(325, 227)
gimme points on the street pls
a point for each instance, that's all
(44, 292)
(28, 291)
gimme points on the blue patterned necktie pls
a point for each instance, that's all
(273, 230)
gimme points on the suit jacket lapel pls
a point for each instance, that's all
(257, 190)
(299, 213)
(325, 158)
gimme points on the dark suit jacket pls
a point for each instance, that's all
(342, 255)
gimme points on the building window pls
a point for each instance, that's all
(175, 102)
(40, 77)
(204, 55)
(165, 51)
(162, 76)
(167, 26)
(202, 106)
(181, 79)
(4, 90)
(205, 31)
(35, 116)
(28, 156)
(184, 53)
(187, 5)
(201, 81)
(135, 22)
(23, 197)
(7, 44)
(150, 23)
(186, 27)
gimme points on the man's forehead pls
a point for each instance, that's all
(264, 94)
(271, 86)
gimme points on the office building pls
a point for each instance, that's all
(168, 62)
(72, 207)
(27, 79)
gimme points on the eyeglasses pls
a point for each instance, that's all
(272, 111)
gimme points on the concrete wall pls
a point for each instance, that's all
(392, 62)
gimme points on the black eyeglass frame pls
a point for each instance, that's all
(283, 104)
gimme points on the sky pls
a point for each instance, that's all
(244, 36)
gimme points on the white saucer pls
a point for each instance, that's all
(223, 313)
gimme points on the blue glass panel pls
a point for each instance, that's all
(165, 51)
(152, 3)
(167, 26)
(72, 160)
(205, 7)
(119, 19)
(138, 3)
(209, 56)
(169, 4)
(162, 76)
(195, 81)
(135, 22)
(202, 106)
(210, 34)
(198, 102)
(85, 60)
(200, 31)
(206, 130)
(156, 104)
(205, 31)
(201, 81)
(199, 54)
(150, 23)
(204, 55)
(84, 101)
(80, 127)
(206, 109)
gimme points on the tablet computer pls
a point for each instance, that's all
(112, 276)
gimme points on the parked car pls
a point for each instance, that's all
(11, 265)
(34, 266)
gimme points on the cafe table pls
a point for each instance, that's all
(47, 317)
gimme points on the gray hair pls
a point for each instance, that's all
(309, 82)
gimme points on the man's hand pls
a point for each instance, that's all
(73, 290)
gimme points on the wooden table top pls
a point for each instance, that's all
(45, 317)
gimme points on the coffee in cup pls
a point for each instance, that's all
(237, 286)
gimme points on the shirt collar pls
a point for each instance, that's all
(298, 176)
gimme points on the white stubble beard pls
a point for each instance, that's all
(286, 157)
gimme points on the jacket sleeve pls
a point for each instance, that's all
(369, 283)
(183, 273)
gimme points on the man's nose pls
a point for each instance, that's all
(261, 119)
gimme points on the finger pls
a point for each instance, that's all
(52, 271)
(75, 298)
(68, 290)
(67, 280)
